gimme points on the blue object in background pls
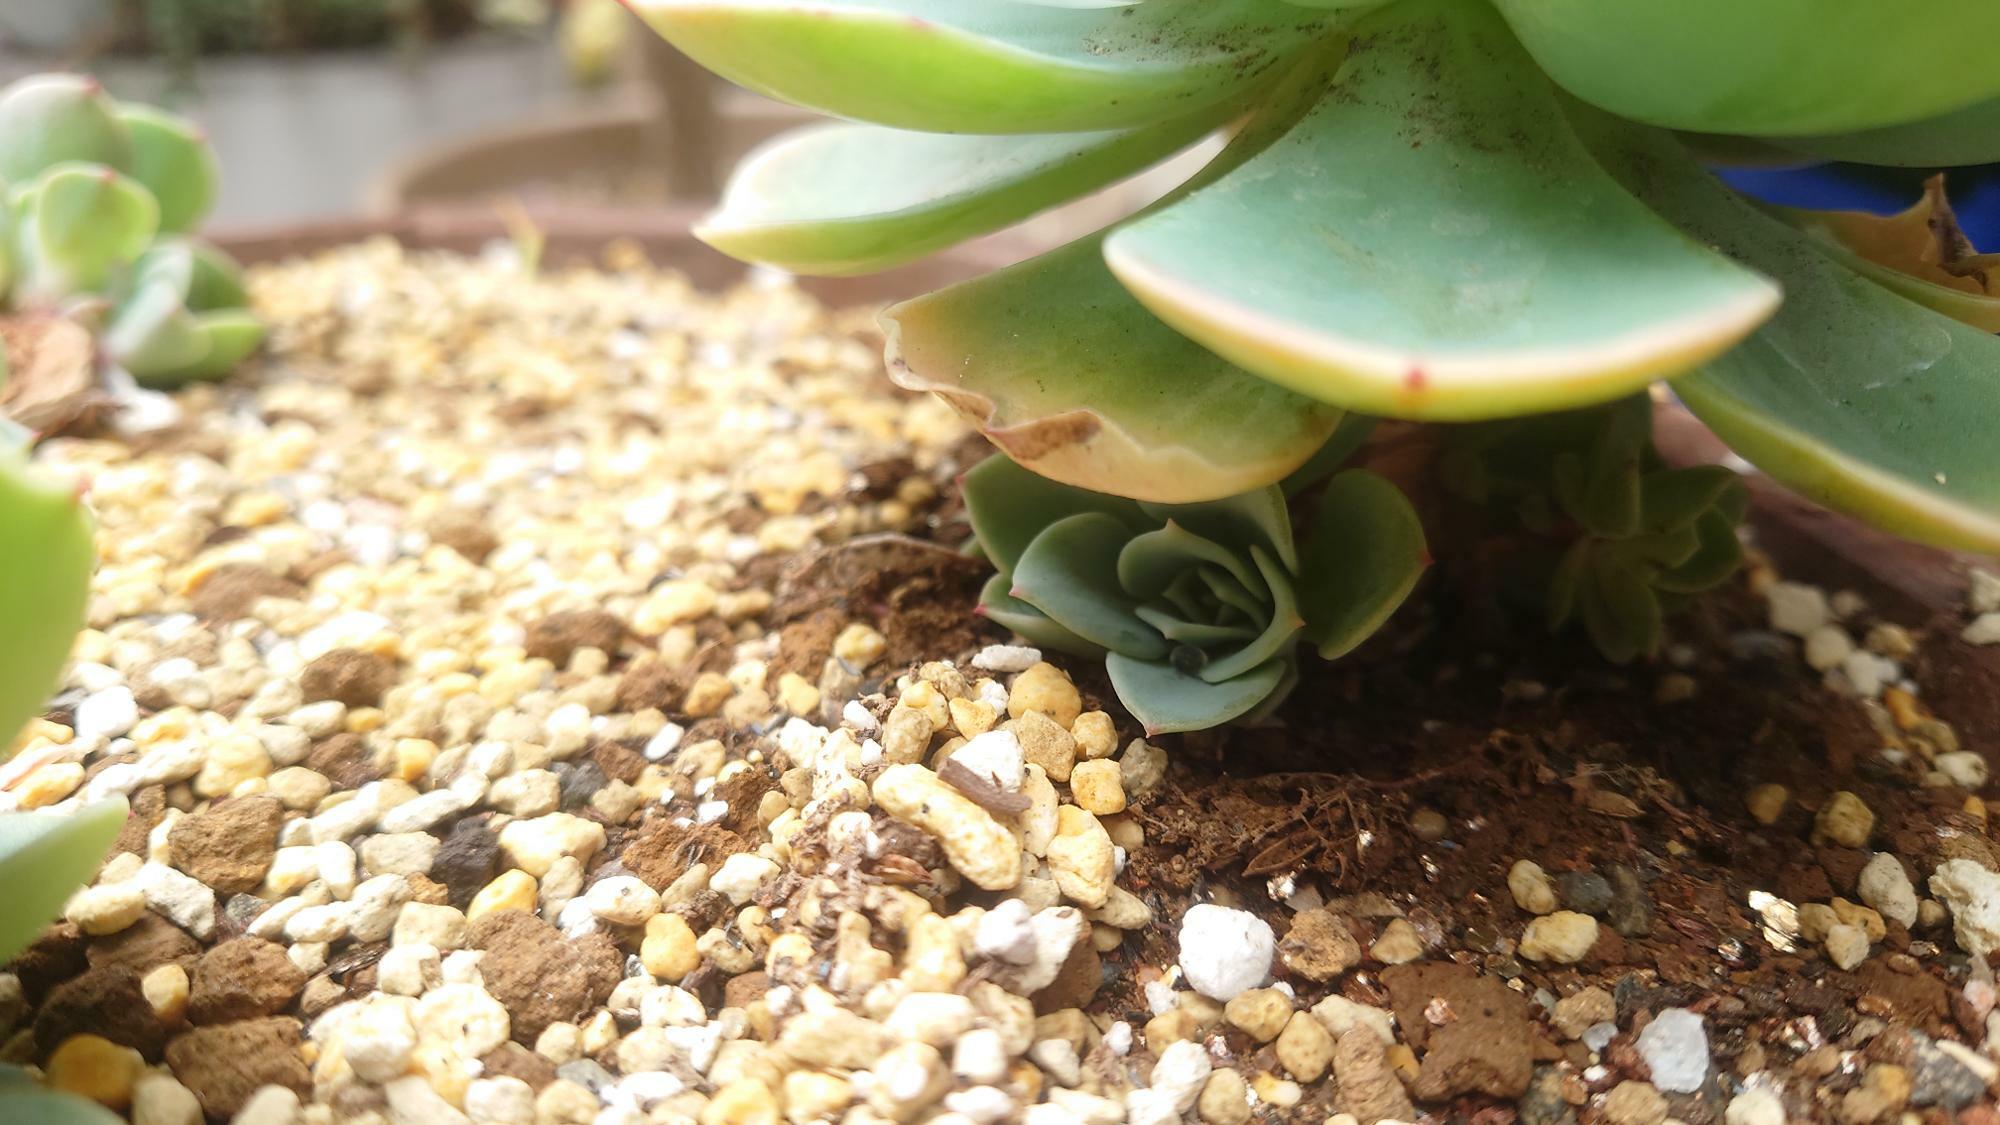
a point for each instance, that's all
(1974, 192)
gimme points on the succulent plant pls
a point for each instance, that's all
(1439, 210)
(45, 564)
(1613, 537)
(96, 224)
(1196, 609)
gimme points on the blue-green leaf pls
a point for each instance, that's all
(1070, 573)
(1363, 555)
(1166, 699)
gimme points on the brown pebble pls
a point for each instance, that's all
(106, 1000)
(464, 530)
(49, 960)
(619, 762)
(231, 591)
(228, 845)
(1319, 946)
(344, 760)
(146, 944)
(350, 676)
(556, 638)
(540, 976)
(648, 683)
(511, 1060)
(224, 1065)
(243, 979)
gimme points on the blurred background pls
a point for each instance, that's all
(337, 108)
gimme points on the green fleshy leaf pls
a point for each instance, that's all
(1961, 138)
(1719, 554)
(1070, 573)
(987, 66)
(30, 1104)
(1198, 633)
(1363, 555)
(1008, 506)
(78, 224)
(844, 198)
(1224, 588)
(44, 857)
(1567, 581)
(1675, 498)
(1433, 242)
(1277, 638)
(1259, 517)
(172, 159)
(1013, 613)
(1347, 439)
(45, 562)
(1853, 396)
(1619, 610)
(1062, 368)
(53, 119)
(1603, 499)
(1725, 66)
(1165, 699)
(1058, 365)
(1151, 561)
(215, 282)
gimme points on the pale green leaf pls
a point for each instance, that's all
(52, 119)
(1433, 242)
(1000, 606)
(1060, 367)
(1008, 506)
(1070, 573)
(1363, 554)
(1960, 138)
(988, 66)
(1150, 561)
(173, 160)
(1256, 517)
(1279, 634)
(1853, 396)
(1764, 67)
(1165, 699)
(845, 198)
(45, 562)
(44, 858)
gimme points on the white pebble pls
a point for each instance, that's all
(665, 742)
(1224, 952)
(1967, 769)
(1006, 658)
(1984, 630)
(1797, 609)
(1827, 646)
(1885, 886)
(106, 714)
(1675, 1047)
(995, 755)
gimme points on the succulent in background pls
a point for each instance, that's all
(1196, 609)
(100, 203)
(1610, 535)
(1439, 210)
(45, 564)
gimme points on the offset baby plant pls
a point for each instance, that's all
(100, 202)
(45, 563)
(1198, 610)
(1593, 526)
(1441, 210)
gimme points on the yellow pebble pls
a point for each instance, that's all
(412, 757)
(973, 717)
(49, 784)
(365, 720)
(96, 1068)
(1044, 688)
(707, 694)
(745, 1101)
(797, 695)
(1096, 736)
(166, 989)
(668, 951)
(858, 646)
(511, 890)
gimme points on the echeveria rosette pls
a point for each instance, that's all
(1196, 609)
(1616, 539)
(99, 202)
(1450, 225)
